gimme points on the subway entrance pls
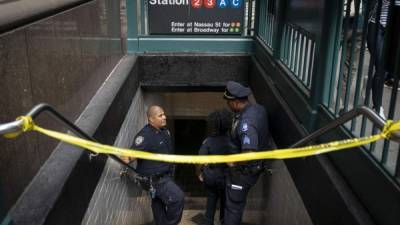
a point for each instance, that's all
(188, 136)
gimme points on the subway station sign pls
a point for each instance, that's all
(195, 17)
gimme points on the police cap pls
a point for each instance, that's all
(235, 90)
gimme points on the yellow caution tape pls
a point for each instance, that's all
(389, 128)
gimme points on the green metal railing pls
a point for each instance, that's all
(266, 21)
(353, 82)
(298, 53)
(297, 46)
(348, 80)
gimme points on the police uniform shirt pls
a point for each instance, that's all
(153, 140)
(216, 145)
(250, 129)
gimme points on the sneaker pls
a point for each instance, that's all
(382, 113)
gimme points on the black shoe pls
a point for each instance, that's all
(390, 83)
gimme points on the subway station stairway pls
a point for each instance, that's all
(285, 196)
(119, 200)
(76, 56)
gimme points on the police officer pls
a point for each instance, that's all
(249, 133)
(213, 175)
(155, 177)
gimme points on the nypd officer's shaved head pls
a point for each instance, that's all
(152, 110)
(156, 117)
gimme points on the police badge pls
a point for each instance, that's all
(139, 140)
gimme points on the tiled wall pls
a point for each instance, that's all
(61, 60)
(118, 200)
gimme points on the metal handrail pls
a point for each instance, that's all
(361, 110)
(16, 126)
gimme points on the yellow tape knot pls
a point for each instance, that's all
(388, 129)
(27, 125)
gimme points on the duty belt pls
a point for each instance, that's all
(147, 182)
(152, 178)
(248, 169)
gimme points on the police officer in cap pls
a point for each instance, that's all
(154, 176)
(249, 133)
(213, 175)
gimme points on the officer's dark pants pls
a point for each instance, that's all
(237, 188)
(168, 202)
(215, 186)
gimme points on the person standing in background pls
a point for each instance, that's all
(375, 41)
(213, 175)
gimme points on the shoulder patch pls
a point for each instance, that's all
(245, 127)
(139, 140)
